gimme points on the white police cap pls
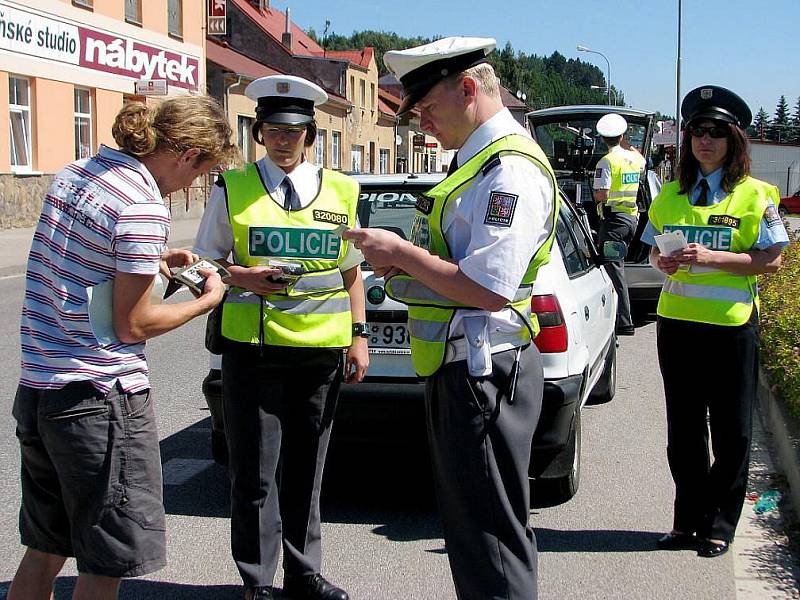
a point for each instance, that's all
(612, 125)
(422, 67)
(285, 99)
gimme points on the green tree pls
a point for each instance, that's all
(795, 123)
(760, 126)
(780, 124)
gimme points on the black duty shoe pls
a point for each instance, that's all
(630, 330)
(709, 549)
(312, 587)
(262, 592)
(677, 541)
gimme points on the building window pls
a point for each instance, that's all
(336, 138)
(83, 123)
(370, 158)
(363, 86)
(244, 127)
(19, 105)
(351, 95)
(356, 156)
(133, 12)
(319, 148)
(384, 160)
(372, 95)
(175, 18)
(88, 4)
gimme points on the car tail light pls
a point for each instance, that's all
(553, 329)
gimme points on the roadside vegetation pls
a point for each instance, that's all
(780, 326)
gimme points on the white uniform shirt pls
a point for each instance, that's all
(602, 174)
(497, 256)
(215, 236)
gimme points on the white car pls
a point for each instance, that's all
(576, 305)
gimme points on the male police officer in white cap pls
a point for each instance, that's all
(478, 240)
(282, 362)
(616, 185)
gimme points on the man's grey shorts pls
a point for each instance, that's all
(91, 478)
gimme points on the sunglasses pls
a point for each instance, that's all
(290, 131)
(715, 131)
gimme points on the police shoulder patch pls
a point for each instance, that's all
(598, 173)
(500, 210)
(772, 217)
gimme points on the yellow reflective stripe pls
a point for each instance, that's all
(707, 292)
(623, 194)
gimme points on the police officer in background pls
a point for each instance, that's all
(282, 363)
(707, 330)
(479, 238)
(616, 185)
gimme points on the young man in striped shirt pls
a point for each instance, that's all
(91, 470)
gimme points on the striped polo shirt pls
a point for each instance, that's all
(101, 215)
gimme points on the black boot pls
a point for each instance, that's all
(311, 587)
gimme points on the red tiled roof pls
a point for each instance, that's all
(274, 23)
(385, 108)
(357, 57)
(238, 63)
(389, 97)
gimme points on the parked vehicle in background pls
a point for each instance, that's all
(568, 135)
(790, 205)
(576, 305)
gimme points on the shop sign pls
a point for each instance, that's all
(150, 87)
(419, 140)
(33, 34)
(217, 12)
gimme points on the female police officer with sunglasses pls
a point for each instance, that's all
(708, 314)
(283, 336)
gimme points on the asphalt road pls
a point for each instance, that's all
(381, 534)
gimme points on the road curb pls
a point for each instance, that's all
(785, 435)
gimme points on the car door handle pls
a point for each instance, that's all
(586, 312)
(603, 299)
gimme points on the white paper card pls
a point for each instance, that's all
(671, 242)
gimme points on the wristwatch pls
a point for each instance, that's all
(361, 329)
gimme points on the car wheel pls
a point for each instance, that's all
(606, 387)
(551, 491)
(782, 211)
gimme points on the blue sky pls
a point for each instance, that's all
(751, 47)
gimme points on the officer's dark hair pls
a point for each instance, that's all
(311, 133)
(734, 169)
(612, 141)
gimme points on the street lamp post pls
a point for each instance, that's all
(678, 93)
(600, 87)
(581, 48)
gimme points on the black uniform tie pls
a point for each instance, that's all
(453, 165)
(290, 200)
(702, 199)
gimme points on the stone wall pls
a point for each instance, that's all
(21, 200)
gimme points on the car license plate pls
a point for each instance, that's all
(389, 338)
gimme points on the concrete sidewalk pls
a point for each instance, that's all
(16, 243)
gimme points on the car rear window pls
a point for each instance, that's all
(388, 208)
(573, 242)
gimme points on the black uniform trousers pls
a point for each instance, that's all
(279, 404)
(480, 443)
(618, 227)
(710, 376)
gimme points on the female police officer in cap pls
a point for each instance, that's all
(708, 315)
(282, 363)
